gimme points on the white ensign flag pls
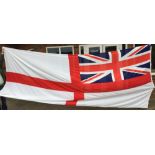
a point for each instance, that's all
(114, 79)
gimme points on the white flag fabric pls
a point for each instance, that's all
(115, 79)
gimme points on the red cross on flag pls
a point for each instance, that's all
(114, 79)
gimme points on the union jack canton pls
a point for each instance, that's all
(118, 67)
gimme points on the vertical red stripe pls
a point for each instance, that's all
(116, 66)
(75, 78)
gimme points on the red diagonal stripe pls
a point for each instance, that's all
(137, 71)
(95, 57)
(91, 78)
(140, 48)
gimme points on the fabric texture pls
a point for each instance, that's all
(114, 79)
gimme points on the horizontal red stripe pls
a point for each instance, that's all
(136, 60)
(120, 64)
(37, 82)
(78, 87)
(118, 85)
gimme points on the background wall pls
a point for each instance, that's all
(37, 47)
